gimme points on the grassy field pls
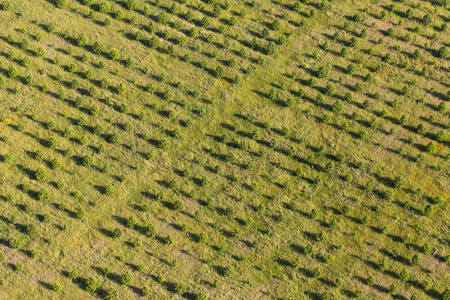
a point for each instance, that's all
(224, 149)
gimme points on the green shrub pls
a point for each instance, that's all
(117, 233)
(443, 52)
(415, 260)
(119, 15)
(180, 288)
(330, 90)
(151, 230)
(169, 240)
(154, 42)
(56, 164)
(12, 72)
(82, 40)
(18, 267)
(178, 205)
(344, 52)
(7, 158)
(80, 213)
(129, 62)
(131, 222)
(426, 248)
(6, 5)
(276, 25)
(201, 296)
(219, 72)
(73, 67)
(97, 47)
(446, 295)
(109, 190)
(321, 236)
(428, 210)
(126, 278)
(358, 87)
(271, 48)
(111, 294)
(130, 4)
(114, 54)
(31, 229)
(92, 285)
(338, 106)
(14, 243)
(404, 275)
(26, 62)
(88, 161)
(40, 174)
(431, 147)
(427, 19)
(61, 3)
(323, 72)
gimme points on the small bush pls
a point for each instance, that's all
(431, 147)
(40, 174)
(126, 278)
(61, 3)
(114, 54)
(82, 40)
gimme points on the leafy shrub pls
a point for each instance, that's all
(130, 4)
(202, 296)
(443, 52)
(276, 25)
(40, 174)
(97, 47)
(338, 106)
(119, 15)
(323, 72)
(126, 278)
(129, 62)
(6, 5)
(7, 158)
(131, 222)
(219, 72)
(114, 54)
(321, 236)
(180, 288)
(426, 248)
(117, 233)
(415, 260)
(109, 190)
(169, 240)
(88, 161)
(146, 292)
(14, 243)
(12, 72)
(56, 164)
(178, 205)
(73, 67)
(431, 147)
(80, 213)
(82, 40)
(61, 3)
(151, 230)
(111, 294)
(92, 285)
(427, 19)
(154, 42)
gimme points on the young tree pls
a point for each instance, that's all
(61, 3)
(82, 40)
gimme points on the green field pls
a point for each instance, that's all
(225, 149)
